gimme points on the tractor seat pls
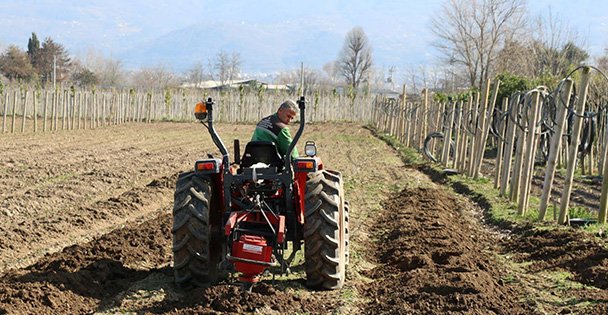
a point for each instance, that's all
(262, 152)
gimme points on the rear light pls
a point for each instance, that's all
(205, 166)
(307, 165)
(208, 166)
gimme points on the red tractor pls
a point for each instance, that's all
(240, 216)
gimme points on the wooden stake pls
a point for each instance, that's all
(528, 165)
(486, 119)
(476, 132)
(46, 103)
(4, 112)
(576, 133)
(509, 146)
(35, 111)
(555, 147)
(458, 135)
(500, 145)
(14, 111)
(519, 152)
(24, 111)
(447, 137)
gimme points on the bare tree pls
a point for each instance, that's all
(331, 69)
(552, 48)
(555, 46)
(154, 77)
(235, 66)
(471, 33)
(196, 73)
(108, 71)
(355, 59)
(226, 67)
(294, 77)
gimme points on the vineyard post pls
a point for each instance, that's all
(399, 115)
(441, 122)
(94, 110)
(24, 111)
(604, 197)
(576, 133)
(403, 113)
(500, 144)
(408, 122)
(104, 110)
(529, 157)
(424, 113)
(509, 145)
(64, 105)
(604, 142)
(14, 111)
(73, 110)
(56, 111)
(481, 117)
(140, 106)
(35, 114)
(53, 109)
(4, 112)
(121, 108)
(447, 138)
(115, 108)
(591, 155)
(413, 120)
(46, 103)
(519, 151)
(149, 118)
(485, 125)
(380, 109)
(387, 115)
(377, 113)
(462, 165)
(556, 141)
(471, 160)
(79, 101)
(392, 117)
(458, 135)
(87, 105)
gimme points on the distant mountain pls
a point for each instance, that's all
(263, 48)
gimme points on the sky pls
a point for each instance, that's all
(398, 30)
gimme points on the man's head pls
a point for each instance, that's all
(287, 111)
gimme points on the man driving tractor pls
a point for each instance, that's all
(274, 128)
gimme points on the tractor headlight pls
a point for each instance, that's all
(310, 149)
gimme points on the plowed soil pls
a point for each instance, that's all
(85, 227)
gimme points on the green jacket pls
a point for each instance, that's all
(272, 129)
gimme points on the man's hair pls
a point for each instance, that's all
(289, 104)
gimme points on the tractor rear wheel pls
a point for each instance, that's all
(196, 248)
(324, 231)
(346, 232)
